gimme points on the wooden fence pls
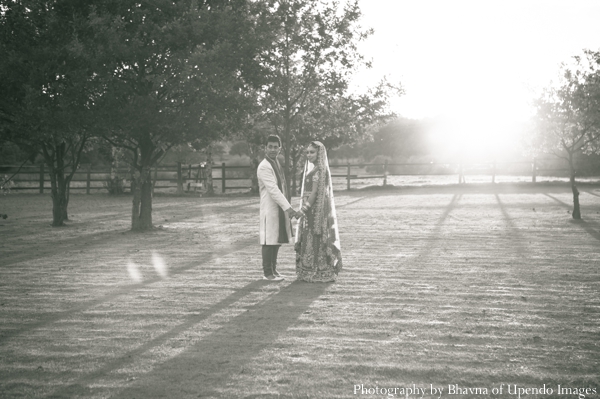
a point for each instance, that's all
(194, 177)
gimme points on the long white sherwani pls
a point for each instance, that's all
(271, 199)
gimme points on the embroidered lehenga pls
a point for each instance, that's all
(318, 251)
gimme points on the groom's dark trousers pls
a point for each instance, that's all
(269, 256)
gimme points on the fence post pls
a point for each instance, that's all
(179, 179)
(348, 177)
(460, 173)
(42, 178)
(88, 182)
(385, 167)
(494, 172)
(223, 177)
(189, 176)
(534, 170)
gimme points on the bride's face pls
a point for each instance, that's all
(311, 154)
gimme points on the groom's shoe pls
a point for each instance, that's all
(272, 278)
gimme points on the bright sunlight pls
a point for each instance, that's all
(473, 66)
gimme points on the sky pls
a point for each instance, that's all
(477, 64)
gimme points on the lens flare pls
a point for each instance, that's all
(134, 271)
(159, 265)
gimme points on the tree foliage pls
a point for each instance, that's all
(48, 87)
(173, 73)
(400, 138)
(311, 59)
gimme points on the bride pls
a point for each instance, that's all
(318, 252)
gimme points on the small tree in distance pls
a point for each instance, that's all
(568, 116)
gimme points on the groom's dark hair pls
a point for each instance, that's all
(273, 138)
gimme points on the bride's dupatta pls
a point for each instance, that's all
(324, 215)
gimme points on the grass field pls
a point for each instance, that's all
(465, 289)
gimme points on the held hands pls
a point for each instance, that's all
(291, 213)
(302, 211)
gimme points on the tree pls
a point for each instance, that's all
(310, 41)
(343, 120)
(309, 66)
(567, 116)
(48, 88)
(175, 73)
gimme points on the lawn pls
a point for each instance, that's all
(467, 289)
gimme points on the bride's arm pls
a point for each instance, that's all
(311, 199)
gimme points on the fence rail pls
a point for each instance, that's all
(194, 177)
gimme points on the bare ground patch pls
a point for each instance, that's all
(472, 287)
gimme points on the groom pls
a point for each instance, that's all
(275, 209)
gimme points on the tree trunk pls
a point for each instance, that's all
(294, 167)
(136, 190)
(141, 217)
(59, 198)
(576, 209)
(59, 184)
(209, 180)
(146, 203)
(59, 209)
(67, 195)
(141, 213)
(286, 166)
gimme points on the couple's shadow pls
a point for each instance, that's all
(209, 365)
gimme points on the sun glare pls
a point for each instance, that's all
(476, 138)
(476, 66)
(134, 271)
(159, 264)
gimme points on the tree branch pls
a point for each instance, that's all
(17, 172)
(132, 149)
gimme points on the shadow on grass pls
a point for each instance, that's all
(449, 208)
(553, 198)
(97, 239)
(207, 366)
(518, 238)
(590, 193)
(591, 228)
(112, 295)
(89, 241)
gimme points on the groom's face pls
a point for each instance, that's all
(272, 149)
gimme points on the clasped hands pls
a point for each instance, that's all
(291, 213)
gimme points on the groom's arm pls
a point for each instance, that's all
(267, 176)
